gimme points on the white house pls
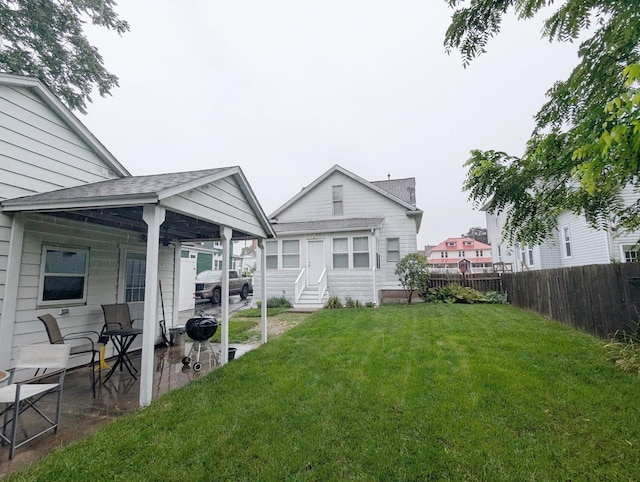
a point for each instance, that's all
(573, 243)
(341, 236)
(78, 231)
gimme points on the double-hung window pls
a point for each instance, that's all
(63, 275)
(361, 252)
(338, 208)
(271, 253)
(291, 253)
(566, 239)
(340, 252)
(135, 277)
(393, 249)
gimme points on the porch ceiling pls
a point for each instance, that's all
(176, 227)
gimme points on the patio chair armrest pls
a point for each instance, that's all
(9, 379)
(37, 378)
(78, 336)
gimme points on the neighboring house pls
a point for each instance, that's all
(573, 243)
(341, 236)
(459, 255)
(78, 231)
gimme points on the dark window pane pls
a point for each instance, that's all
(63, 288)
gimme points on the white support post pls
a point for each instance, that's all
(7, 318)
(177, 265)
(225, 234)
(263, 289)
(153, 215)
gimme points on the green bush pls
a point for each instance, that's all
(453, 294)
(349, 302)
(496, 298)
(333, 302)
(276, 302)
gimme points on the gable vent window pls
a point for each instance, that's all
(338, 209)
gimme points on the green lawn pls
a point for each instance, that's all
(422, 392)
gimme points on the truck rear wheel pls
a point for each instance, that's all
(216, 297)
(244, 292)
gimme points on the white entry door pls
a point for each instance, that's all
(315, 263)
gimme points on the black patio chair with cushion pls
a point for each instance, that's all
(118, 326)
(19, 396)
(93, 345)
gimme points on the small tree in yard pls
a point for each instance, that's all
(413, 273)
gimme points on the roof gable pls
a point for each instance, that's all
(383, 188)
(458, 244)
(39, 89)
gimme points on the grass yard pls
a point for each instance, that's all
(422, 392)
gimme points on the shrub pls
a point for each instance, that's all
(453, 294)
(349, 303)
(369, 304)
(276, 302)
(333, 302)
(413, 273)
(624, 351)
(496, 298)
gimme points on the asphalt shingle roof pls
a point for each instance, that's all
(328, 225)
(404, 189)
(121, 187)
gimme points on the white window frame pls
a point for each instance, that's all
(566, 242)
(633, 254)
(271, 255)
(393, 250)
(43, 275)
(337, 200)
(357, 254)
(290, 258)
(343, 255)
(124, 270)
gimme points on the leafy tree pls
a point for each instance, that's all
(45, 39)
(413, 273)
(586, 143)
(477, 233)
(246, 251)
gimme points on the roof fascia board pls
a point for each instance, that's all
(73, 122)
(238, 175)
(196, 183)
(120, 201)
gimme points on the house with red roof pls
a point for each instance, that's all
(463, 255)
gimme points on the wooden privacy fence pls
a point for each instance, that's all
(482, 282)
(597, 299)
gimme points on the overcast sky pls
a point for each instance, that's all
(287, 89)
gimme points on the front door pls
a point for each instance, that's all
(315, 264)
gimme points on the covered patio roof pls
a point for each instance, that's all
(214, 204)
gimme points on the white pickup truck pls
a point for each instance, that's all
(208, 285)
